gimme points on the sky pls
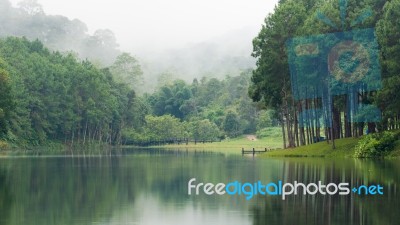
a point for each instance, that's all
(163, 24)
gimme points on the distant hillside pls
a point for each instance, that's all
(57, 32)
(228, 54)
(225, 55)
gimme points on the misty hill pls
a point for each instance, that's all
(228, 54)
(57, 32)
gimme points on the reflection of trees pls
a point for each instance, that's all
(64, 191)
(6, 199)
(336, 209)
(78, 190)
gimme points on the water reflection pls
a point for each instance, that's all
(320, 209)
(150, 187)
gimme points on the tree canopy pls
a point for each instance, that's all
(272, 80)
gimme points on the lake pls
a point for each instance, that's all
(151, 187)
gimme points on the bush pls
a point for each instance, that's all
(3, 145)
(205, 130)
(376, 145)
(270, 132)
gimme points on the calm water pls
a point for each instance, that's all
(150, 187)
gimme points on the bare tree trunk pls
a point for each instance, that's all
(283, 130)
(333, 125)
(296, 129)
(84, 132)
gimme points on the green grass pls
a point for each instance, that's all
(344, 149)
(271, 139)
(235, 144)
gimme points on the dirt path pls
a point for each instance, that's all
(251, 137)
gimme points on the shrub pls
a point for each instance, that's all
(205, 130)
(3, 145)
(376, 145)
(270, 132)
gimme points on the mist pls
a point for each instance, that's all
(171, 41)
(57, 32)
(226, 55)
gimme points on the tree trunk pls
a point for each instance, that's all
(283, 130)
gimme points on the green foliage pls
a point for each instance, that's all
(376, 145)
(3, 145)
(265, 119)
(204, 130)
(270, 132)
(172, 99)
(271, 78)
(271, 83)
(57, 32)
(208, 100)
(388, 33)
(127, 69)
(165, 127)
(231, 124)
(58, 97)
(6, 101)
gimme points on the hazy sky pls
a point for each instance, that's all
(160, 24)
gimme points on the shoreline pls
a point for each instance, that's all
(345, 148)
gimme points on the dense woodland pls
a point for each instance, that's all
(50, 95)
(271, 80)
(28, 19)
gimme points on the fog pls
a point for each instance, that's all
(185, 38)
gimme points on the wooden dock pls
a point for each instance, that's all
(254, 151)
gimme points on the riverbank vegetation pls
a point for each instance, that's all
(377, 145)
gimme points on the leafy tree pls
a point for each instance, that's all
(32, 7)
(388, 32)
(204, 130)
(232, 124)
(59, 97)
(164, 127)
(265, 119)
(127, 69)
(6, 101)
(57, 32)
(171, 99)
(271, 78)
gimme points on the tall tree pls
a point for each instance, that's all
(388, 32)
(127, 69)
(271, 78)
(6, 101)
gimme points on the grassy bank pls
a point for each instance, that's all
(268, 138)
(344, 148)
(234, 145)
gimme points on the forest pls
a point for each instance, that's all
(53, 96)
(272, 80)
(50, 94)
